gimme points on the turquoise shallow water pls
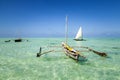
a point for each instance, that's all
(18, 61)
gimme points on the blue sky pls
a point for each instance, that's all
(46, 18)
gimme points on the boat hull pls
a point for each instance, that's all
(73, 53)
(18, 40)
(75, 57)
(79, 39)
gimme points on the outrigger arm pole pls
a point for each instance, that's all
(96, 52)
(40, 52)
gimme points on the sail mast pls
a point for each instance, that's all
(66, 29)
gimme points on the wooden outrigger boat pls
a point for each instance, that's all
(69, 51)
(72, 53)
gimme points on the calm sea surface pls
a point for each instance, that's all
(18, 61)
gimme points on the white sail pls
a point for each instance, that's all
(79, 34)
